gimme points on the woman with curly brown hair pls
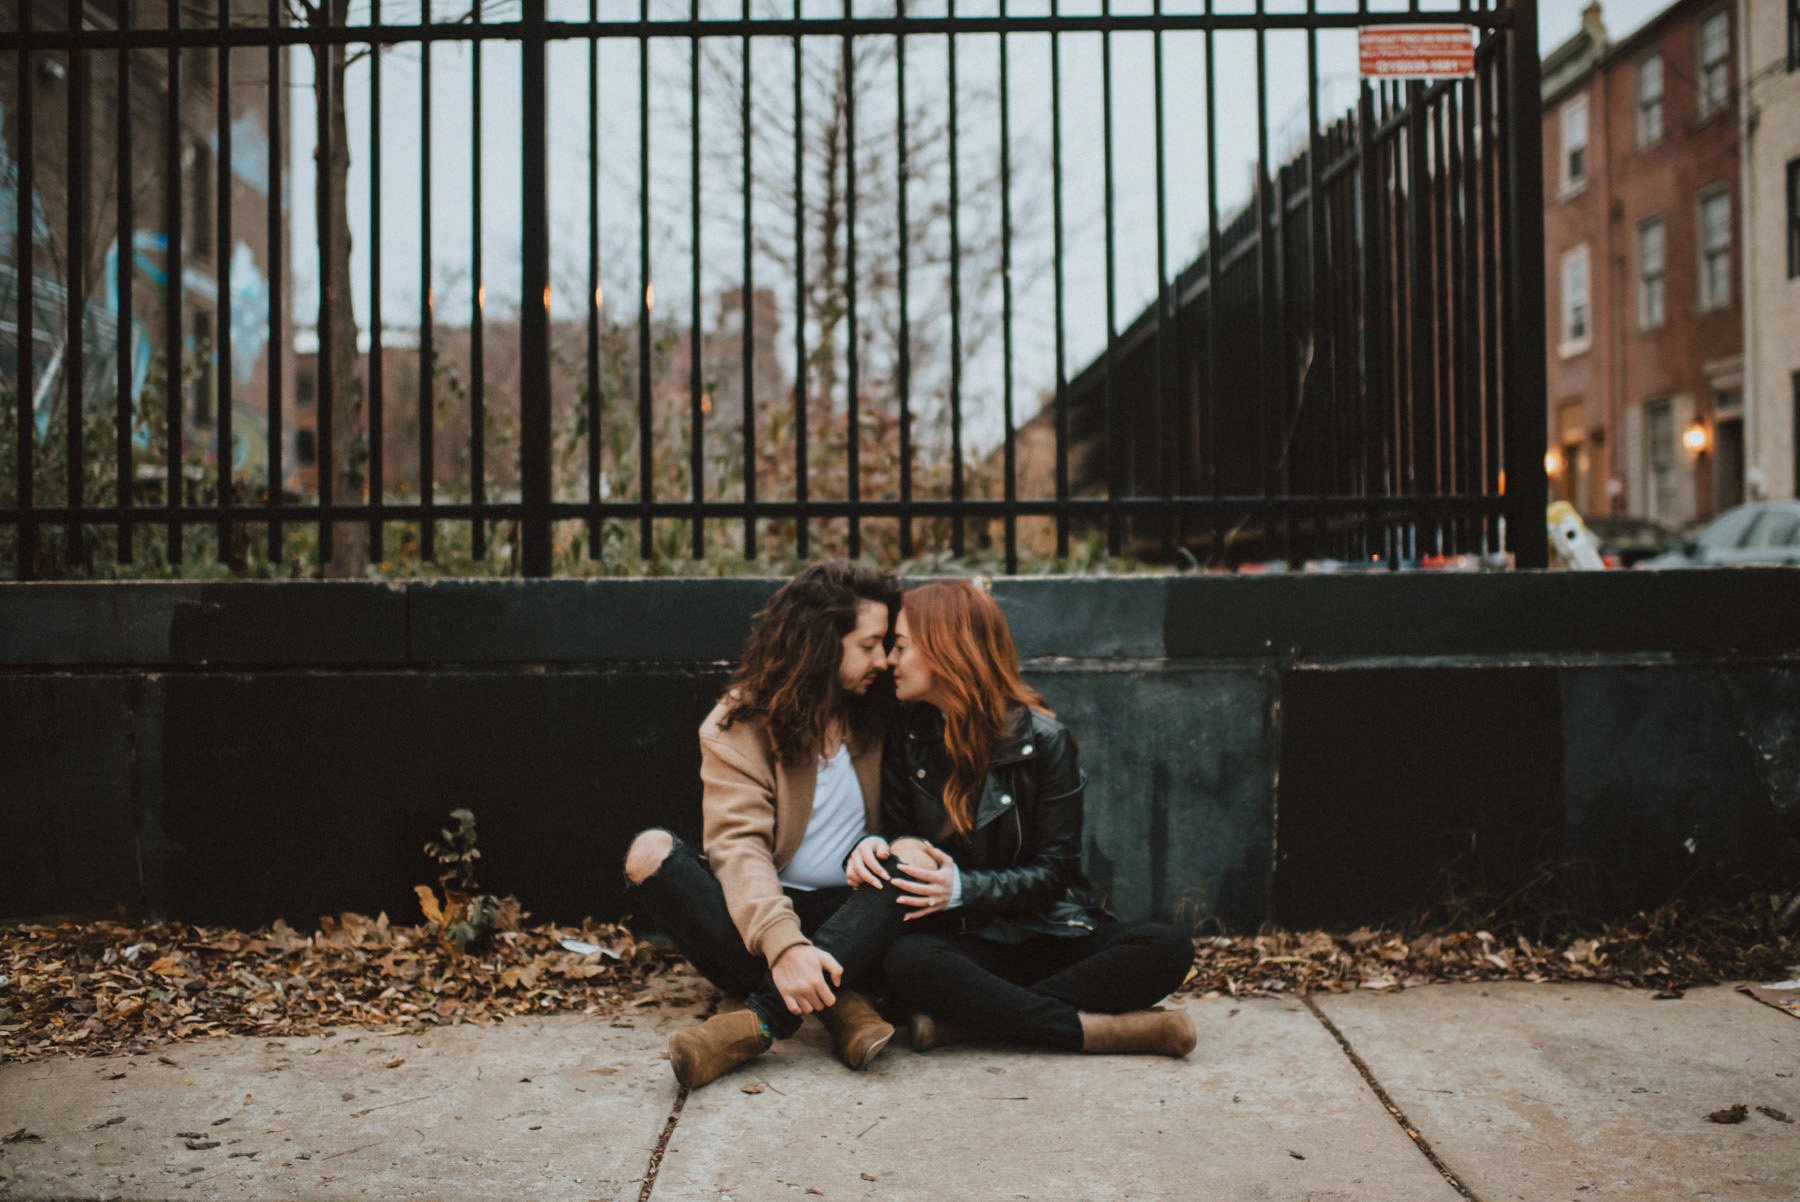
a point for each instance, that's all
(789, 764)
(1010, 941)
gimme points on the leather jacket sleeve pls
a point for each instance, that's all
(897, 818)
(1049, 860)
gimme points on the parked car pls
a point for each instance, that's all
(1627, 542)
(1760, 532)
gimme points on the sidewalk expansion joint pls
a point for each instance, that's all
(1393, 1107)
(662, 1145)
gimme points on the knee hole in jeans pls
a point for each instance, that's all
(647, 853)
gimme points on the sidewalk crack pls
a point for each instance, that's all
(662, 1145)
(1393, 1107)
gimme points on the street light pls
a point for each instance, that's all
(1695, 438)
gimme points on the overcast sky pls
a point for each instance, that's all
(1135, 212)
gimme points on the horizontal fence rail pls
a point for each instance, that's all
(534, 287)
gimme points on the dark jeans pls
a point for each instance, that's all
(682, 898)
(1031, 992)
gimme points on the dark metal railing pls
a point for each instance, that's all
(1351, 366)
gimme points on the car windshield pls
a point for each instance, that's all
(1775, 528)
(1728, 531)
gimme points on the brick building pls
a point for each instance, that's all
(1643, 266)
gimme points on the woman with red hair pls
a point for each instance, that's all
(1010, 941)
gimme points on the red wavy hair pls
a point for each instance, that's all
(961, 633)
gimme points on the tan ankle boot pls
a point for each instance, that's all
(927, 1032)
(1138, 1033)
(857, 1031)
(721, 1043)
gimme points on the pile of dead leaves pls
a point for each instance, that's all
(1667, 951)
(96, 987)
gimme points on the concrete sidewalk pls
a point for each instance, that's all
(1500, 1091)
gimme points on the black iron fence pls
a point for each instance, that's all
(892, 246)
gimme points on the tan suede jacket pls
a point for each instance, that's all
(754, 812)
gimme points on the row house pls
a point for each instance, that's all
(1644, 266)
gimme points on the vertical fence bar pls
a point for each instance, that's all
(1062, 374)
(1265, 287)
(956, 463)
(905, 357)
(325, 92)
(1211, 402)
(594, 297)
(224, 458)
(1491, 466)
(697, 413)
(853, 382)
(800, 474)
(1161, 434)
(277, 281)
(1527, 490)
(1115, 484)
(1010, 465)
(478, 527)
(377, 388)
(1321, 341)
(75, 283)
(749, 319)
(646, 293)
(427, 306)
(534, 333)
(1372, 343)
(124, 256)
(24, 234)
(1436, 243)
(172, 294)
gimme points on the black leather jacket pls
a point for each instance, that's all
(1021, 866)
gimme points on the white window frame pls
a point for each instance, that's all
(1653, 274)
(1709, 99)
(1576, 302)
(1710, 301)
(1649, 120)
(1574, 113)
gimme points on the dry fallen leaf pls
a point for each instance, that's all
(201, 1145)
(753, 1087)
(867, 1176)
(1729, 1114)
(1780, 1116)
(396, 1062)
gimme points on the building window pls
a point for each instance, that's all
(1652, 270)
(1715, 61)
(304, 385)
(1715, 248)
(1650, 100)
(200, 200)
(1793, 221)
(1660, 420)
(1576, 313)
(205, 403)
(306, 449)
(1574, 142)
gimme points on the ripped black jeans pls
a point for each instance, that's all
(682, 899)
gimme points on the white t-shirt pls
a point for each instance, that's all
(838, 823)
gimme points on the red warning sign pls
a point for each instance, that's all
(1417, 51)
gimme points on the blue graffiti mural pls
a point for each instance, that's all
(249, 300)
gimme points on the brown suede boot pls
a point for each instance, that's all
(857, 1031)
(1137, 1033)
(718, 1045)
(927, 1032)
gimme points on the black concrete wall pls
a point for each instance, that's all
(1319, 749)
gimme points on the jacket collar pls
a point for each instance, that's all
(1017, 741)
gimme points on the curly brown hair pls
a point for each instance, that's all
(788, 679)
